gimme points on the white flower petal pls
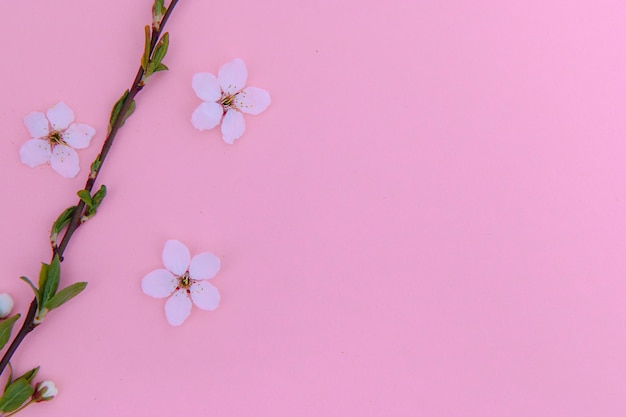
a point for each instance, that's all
(204, 295)
(35, 152)
(233, 126)
(204, 266)
(252, 100)
(233, 76)
(60, 116)
(64, 160)
(206, 86)
(207, 115)
(78, 135)
(159, 283)
(178, 308)
(37, 124)
(176, 257)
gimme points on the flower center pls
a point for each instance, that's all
(55, 138)
(228, 102)
(184, 281)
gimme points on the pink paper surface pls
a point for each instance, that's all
(429, 220)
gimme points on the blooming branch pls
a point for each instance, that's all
(47, 296)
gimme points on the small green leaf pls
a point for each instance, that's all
(161, 49)
(86, 197)
(35, 290)
(43, 274)
(158, 10)
(96, 200)
(116, 110)
(129, 112)
(6, 327)
(99, 196)
(161, 67)
(15, 395)
(62, 221)
(159, 53)
(52, 281)
(95, 166)
(30, 375)
(65, 295)
(148, 72)
(145, 59)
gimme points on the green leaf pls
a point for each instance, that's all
(99, 196)
(35, 290)
(96, 200)
(129, 112)
(43, 274)
(62, 221)
(116, 110)
(161, 67)
(30, 375)
(161, 49)
(15, 395)
(52, 282)
(145, 59)
(95, 166)
(86, 197)
(159, 8)
(65, 295)
(6, 327)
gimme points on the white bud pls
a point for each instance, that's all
(6, 305)
(45, 391)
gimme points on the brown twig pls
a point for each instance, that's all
(29, 324)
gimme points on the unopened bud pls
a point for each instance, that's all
(6, 305)
(158, 11)
(45, 391)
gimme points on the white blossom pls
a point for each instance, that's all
(54, 139)
(184, 282)
(225, 99)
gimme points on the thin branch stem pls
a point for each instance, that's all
(135, 88)
(29, 325)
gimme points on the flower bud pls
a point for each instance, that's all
(6, 305)
(45, 391)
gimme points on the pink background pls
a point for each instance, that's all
(429, 220)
